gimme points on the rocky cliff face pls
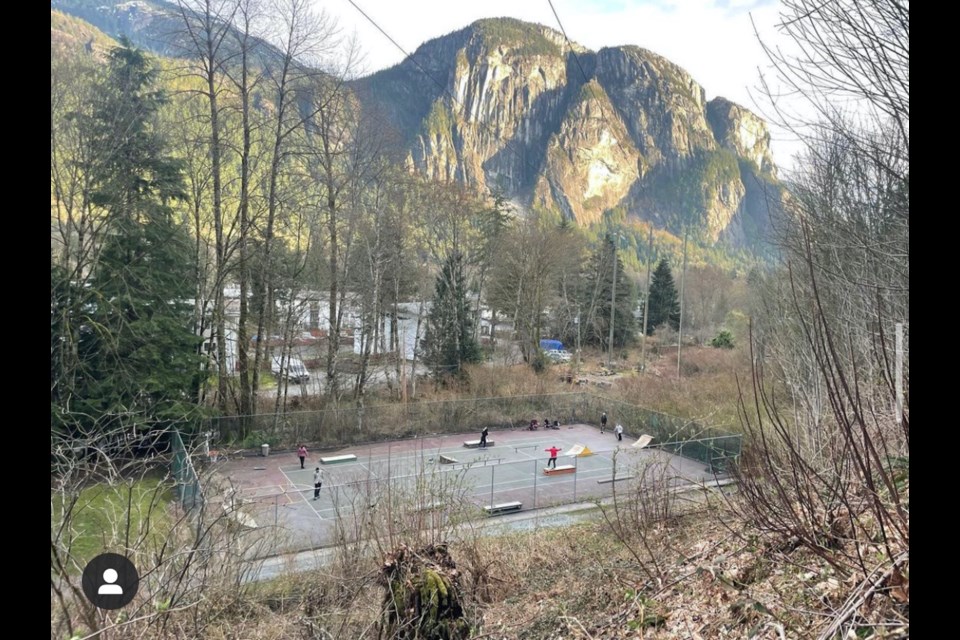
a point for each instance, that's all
(742, 132)
(507, 107)
(591, 162)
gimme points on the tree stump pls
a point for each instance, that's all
(422, 595)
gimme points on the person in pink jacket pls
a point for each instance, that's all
(302, 454)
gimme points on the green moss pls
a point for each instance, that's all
(433, 594)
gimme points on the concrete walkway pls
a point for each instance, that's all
(559, 516)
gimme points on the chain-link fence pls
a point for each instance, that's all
(682, 436)
(354, 424)
(375, 423)
(414, 492)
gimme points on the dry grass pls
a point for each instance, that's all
(719, 579)
(706, 390)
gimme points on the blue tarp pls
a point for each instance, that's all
(546, 345)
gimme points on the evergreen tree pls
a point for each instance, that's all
(664, 303)
(137, 355)
(595, 300)
(450, 341)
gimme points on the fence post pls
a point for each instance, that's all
(492, 469)
(534, 484)
(575, 469)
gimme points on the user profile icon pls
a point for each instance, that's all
(110, 586)
(110, 581)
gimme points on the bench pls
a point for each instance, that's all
(338, 459)
(448, 460)
(503, 507)
(473, 444)
(617, 479)
(563, 468)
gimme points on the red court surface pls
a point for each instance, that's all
(396, 483)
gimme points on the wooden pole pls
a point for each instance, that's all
(646, 306)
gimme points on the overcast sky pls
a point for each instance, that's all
(713, 40)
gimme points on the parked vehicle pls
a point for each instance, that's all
(559, 355)
(293, 369)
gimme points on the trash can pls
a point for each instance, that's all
(264, 450)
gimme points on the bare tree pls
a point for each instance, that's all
(206, 25)
(342, 150)
(245, 80)
(830, 472)
(304, 37)
(529, 278)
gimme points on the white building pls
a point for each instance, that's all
(310, 315)
(407, 334)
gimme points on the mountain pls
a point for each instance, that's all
(510, 106)
(147, 23)
(154, 25)
(513, 108)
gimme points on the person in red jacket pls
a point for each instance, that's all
(553, 451)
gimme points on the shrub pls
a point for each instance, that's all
(724, 340)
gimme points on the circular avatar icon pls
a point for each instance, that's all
(110, 581)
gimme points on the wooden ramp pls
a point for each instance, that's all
(448, 460)
(579, 450)
(560, 470)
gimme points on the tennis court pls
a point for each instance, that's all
(430, 481)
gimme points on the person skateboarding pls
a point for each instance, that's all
(603, 421)
(483, 438)
(619, 431)
(553, 451)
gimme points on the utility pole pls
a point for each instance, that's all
(646, 306)
(683, 276)
(613, 299)
(578, 342)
